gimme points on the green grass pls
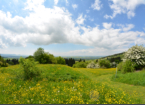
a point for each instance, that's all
(60, 84)
(134, 78)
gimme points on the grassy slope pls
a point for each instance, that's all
(130, 89)
(14, 90)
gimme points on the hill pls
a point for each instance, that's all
(113, 56)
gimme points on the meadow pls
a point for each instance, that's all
(61, 84)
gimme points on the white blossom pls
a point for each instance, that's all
(135, 53)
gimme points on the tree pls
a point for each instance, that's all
(52, 59)
(80, 60)
(66, 61)
(60, 60)
(29, 57)
(137, 55)
(104, 63)
(38, 54)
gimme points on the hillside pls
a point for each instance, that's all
(60, 84)
(113, 56)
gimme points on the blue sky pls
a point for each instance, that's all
(71, 27)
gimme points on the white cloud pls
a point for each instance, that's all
(34, 4)
(55, 2)
(55, 25)
(74, 6)
(124, 6)
(97, 5)
(107, 25)
(127, 28)
(80, 19)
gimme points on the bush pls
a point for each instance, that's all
(119, 66)
(11, 63)
(60, 60)
(127, 66)
(136, 54)
(113, 64)
(92, 65)
(80, 65)
(104, 63)
(29, 67)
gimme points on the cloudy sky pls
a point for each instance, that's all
(71, 27)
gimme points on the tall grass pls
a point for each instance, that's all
(134, 78)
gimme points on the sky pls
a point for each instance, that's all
(71, 27)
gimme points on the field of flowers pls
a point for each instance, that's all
(58, 84)
(100, 71)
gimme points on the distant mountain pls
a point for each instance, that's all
(67, 57)
(13, 56)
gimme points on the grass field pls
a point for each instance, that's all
(60, 84)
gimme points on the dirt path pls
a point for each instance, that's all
(126, 87)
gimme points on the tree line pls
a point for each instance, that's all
(42, 57)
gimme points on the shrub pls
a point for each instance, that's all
(29, 67)
(92, 65)
(11, 63)
(113, 64)
(104, 63)
(127, 66)
(136, 54)
(60, 60)
(80, 65)
(119, 66)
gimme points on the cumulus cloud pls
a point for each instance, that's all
(124, 6)
(55, 25)
(80, 19)
(74, 6)
(97, 5)
(107, 25)
(127, 28)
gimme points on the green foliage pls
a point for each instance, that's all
(44, 57)
(3, 62)
(29, 57)
(29, 67)
(133, 78)
(52, 59)
(39, 54)
(60, 60)
(104, 63)
(119, 66)
(80, 65)
(136, 54)
(11, 63)
(127, 66)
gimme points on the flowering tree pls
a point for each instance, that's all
(136, 54)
